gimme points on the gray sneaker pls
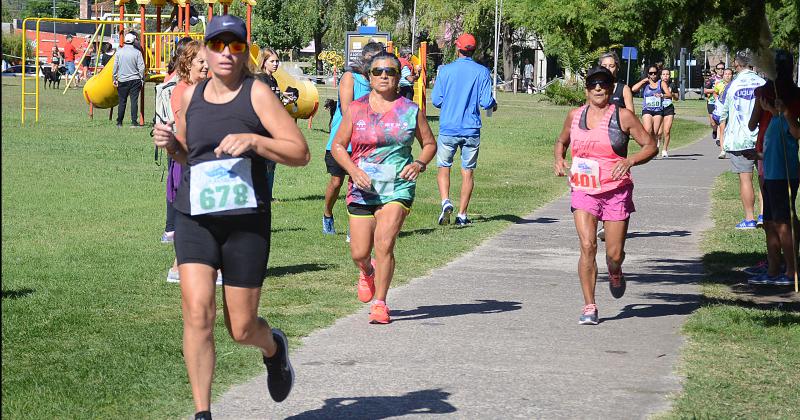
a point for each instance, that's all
(601, 234)
(589, 315)
(447, 210)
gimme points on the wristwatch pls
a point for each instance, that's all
(422, 166)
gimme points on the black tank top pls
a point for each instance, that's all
(206, 125)
(617, 97)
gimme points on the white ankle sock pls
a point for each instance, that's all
(446, 200)
(462, 215)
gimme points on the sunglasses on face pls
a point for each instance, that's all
(218, 45)
(651, 72)
(390, 71)
(602, 83)
(720, 68)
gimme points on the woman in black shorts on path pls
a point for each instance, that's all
(233, 125)
(668, 113)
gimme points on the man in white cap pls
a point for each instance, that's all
(128, 78)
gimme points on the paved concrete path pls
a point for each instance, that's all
(494, 334)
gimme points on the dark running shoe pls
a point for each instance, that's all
(202, 415)
(463, 221)
(616, 283)
(280, 374)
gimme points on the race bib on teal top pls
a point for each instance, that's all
(382, 176)
(220, 185)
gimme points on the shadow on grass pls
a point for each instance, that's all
(432, 118)
(428, 401)
(297, 269)
(312, 197)
(420, 231)
(724, 268)
(288, 229)
(17, 293)
(484, 306)
(515, 219)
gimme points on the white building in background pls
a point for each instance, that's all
(534, 42)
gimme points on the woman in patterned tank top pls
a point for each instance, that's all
(381, 128)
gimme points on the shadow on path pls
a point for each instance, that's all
(652, 310)
(442, 311)
(515, 219)
(429, 401)
(672, 233)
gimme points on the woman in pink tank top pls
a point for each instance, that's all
(597, 136)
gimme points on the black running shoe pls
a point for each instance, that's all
(616, 282)
(280, 374)
(202, 415)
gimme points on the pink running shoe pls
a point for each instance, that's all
(366, 284)
(589, 315)
(379, 314)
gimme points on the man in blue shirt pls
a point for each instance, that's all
(461, 89)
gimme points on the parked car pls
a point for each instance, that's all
(17, 71)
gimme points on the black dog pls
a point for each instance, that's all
(330, 105)
(53, 79)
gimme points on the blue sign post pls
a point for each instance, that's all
(629, 53)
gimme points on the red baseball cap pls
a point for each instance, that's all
(466, 42)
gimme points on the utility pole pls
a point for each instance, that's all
(682, 73)
(414, 29)
(55, 40)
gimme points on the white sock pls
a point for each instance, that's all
(462, 215)
(446, 200)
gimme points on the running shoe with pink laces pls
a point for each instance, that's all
(366, 284)
(589, 315)
(616, 283)
(379, 313)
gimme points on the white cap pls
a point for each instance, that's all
(130, 38)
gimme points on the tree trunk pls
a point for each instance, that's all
(506, 32)
(317, 51)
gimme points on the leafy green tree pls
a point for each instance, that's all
(44, 8)
(274, 24)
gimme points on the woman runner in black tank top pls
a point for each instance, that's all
(621, 96)
(233, 125)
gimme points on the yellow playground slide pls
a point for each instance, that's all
(99, 90)
(307, 94)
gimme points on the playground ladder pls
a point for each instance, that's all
(30, 94)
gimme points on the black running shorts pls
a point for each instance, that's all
(333, 167)
(368, 210)
(238, 245)
(776, 200)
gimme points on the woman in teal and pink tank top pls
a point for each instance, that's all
(381, 128)
(597, 135)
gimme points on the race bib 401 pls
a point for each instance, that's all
(221, 185)
(585, 175)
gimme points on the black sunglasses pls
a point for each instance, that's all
(651, 72)
(603, 84)
(390, 71)
(720, 68)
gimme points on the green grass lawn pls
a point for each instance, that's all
(742, 359)
(90, 326)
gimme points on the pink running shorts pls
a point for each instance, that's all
(614, 205)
